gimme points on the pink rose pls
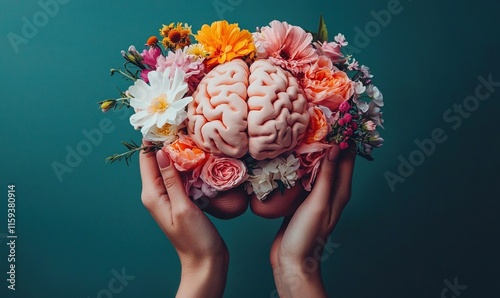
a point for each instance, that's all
(326, 85)
(223, 173)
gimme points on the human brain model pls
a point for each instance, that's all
(258, 110)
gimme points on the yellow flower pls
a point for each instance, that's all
(225, 42)
(175, 36)
(197, 50)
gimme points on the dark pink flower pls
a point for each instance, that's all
(348, 132)
(149, 56)
(347, 118)
(344, 145)
(344, 107)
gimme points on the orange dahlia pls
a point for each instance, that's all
(175, 36)
(225, 42)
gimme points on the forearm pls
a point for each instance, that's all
(295, 281)
(204, 278)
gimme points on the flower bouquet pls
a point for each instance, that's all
(253, 113)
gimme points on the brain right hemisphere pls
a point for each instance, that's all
(277, 117)
(236, 110)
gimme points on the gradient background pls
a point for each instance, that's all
(441, 223)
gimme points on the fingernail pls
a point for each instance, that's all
(333, 153)
(162, 159)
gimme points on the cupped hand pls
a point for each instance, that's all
(202, 252)
(296, 252)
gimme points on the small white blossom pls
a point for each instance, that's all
(340, 39)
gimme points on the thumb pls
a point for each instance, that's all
(172, 180)
(326, 176)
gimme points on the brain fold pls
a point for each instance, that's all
(258, 110)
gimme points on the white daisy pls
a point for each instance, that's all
(160, 102)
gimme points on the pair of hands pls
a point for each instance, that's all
(203, 254)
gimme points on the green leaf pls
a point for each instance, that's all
(322, 34)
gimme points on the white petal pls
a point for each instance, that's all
(140, 103)
(151, 121)
(180, 104)
(139, 119)
(166, 80)
(155, 80)
(162, 119)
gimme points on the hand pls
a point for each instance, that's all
(203, 254)
(297, 249)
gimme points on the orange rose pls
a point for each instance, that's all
(325, 85)
(185, 154)
(318, 127)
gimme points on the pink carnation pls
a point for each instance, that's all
(192, 66)
(286, 46)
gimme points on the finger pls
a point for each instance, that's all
(150, 174)
(173, 183)
(154, 196)
(325, 180)
(343, 183)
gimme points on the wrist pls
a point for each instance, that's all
(299, 279)
(204, 276)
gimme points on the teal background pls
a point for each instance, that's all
(441, 223)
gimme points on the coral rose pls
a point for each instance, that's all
(185, 154)
(223, 173)
(325, 85)
(318, 126)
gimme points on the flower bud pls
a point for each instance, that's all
(375, 140)
(343, 145)
(344, 106)
(107, 104)
(347, 118)
(369, 126)
(152, 41)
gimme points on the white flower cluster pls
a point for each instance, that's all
(267, 173)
